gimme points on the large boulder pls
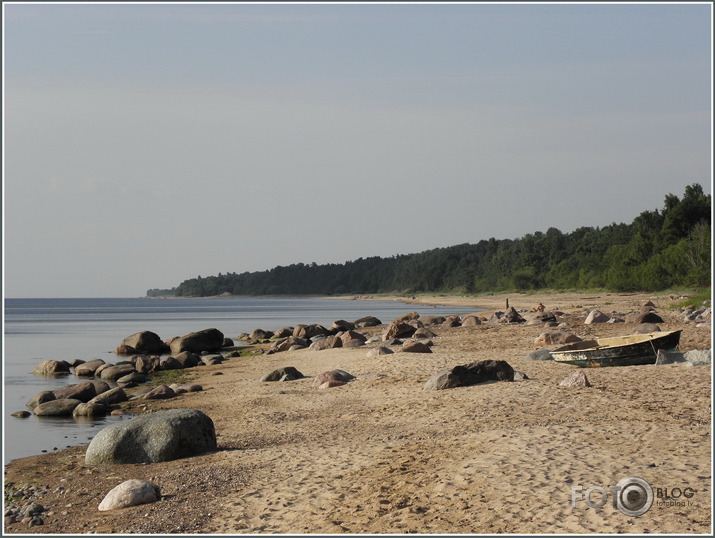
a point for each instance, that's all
(367, 321)
(89, 410)
(353, 339)
(328, 342)
(287, 343)
(341, 325)
(555, 338)
(145, 342)
(471, 321)
(332, 378)
(56, 408)
(206, 340)
(398, 329)
(52, 367)
(188, 359)
(148, 364)
(512, 316)
(260, 334)
(596, 316)
(112, 373)
(160, 392)
(288, 373)
(307, 332)
(83, 392)
(110, 397)
(156, 437)
(644, 317)
(471, 374)
(416, 346)
(40, 397)
(130, 493)
(88, 368)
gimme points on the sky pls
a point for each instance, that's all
(145, 144)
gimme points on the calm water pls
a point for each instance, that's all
(67, 329)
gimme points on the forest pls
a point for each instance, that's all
(660, 249)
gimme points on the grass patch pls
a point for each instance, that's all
(697, 298)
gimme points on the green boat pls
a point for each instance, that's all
(628, 350)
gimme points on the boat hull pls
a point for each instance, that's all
(606, 353)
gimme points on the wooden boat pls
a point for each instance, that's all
(617, 351)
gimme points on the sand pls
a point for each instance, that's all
(380, 455)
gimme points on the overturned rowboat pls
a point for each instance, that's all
(617, 351)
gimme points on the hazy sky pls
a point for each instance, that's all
(148, 144)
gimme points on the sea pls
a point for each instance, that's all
(66, 329)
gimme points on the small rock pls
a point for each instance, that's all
(576, 379)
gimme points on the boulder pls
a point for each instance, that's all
(407, 317)
(170, 363)
(287, 373)
(161, 392)
(100, 386)
(699, 357)
(110, 397)
(156, 437)
(353, 339)
(332, 378)
(555, 338)
(452, 321)
(306, 332)
(133, 378)
(227, 342)
(210, 360)
(52, 367)
(539, 355)
(146, 342)
(471, 374)
(367, 321)
(470, 321)
(196, 342)
(90, 410)
(329, 342)
(56, 408)
(260, 334)
(398, 329)
(284, 332)
(123, 349)
(644, 317)
(83, 392)
(575, 379)
(188, 359)
(286, 343)
(130, 493)
(415, 346)
(21, 414)
(669, 357)
(186, 387)
(112, 373)
(423, 333)
(537, 318)
(444, 379)
(646, 328)
(40, 397)
(341, 325)
(380, 350)
(433, 320)
(596, 316)
(148, 364)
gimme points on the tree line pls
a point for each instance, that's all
(660, 249)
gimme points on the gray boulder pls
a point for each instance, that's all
(287, 373)
(332, 378)
(130, 493)
(52, 367)
(40, 397)
(539, 355)
(575, 379)
(90, 410)
(161, 392)
(145, 342)
(471, 374)
(415, 346)
(596, 316)
(156, 437)
(196, 342)
(646, 328)
(328, 342)
(112, 373)
(380, 350)
(367, 321)
(188, 359)
(56, 408)
(88, 368)
(110, 397)
(83, 392)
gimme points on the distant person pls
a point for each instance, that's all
(540, 308)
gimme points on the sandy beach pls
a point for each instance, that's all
(381, 455)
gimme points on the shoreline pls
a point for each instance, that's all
(380, 455)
